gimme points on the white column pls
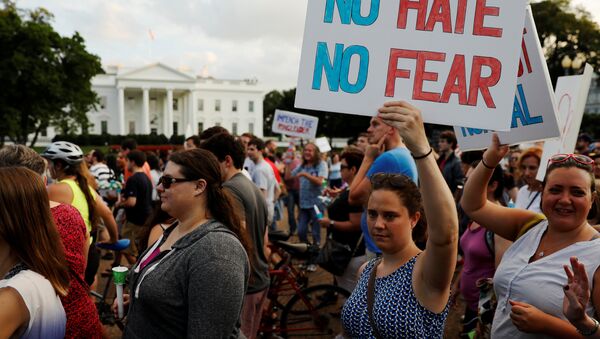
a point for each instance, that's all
(169, 126)
(145, 128)
(121, 112)
(194, 111)
(165, 119)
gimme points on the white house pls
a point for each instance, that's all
(160, 99)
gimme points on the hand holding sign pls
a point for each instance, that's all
(494, 153)
(407, 119)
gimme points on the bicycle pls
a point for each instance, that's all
(104, 308)
(302, 310)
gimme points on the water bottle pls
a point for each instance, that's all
(318, 212)
(324, 185)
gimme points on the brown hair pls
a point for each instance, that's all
(569, 163)
(26, 224)
(409, 195)
(202, 164)
(84, 180)
(22, 156)
(354, 157)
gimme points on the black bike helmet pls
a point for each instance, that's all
(63, 150)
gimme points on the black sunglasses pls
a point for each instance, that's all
(167, 180)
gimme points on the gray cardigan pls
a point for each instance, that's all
(195, 290)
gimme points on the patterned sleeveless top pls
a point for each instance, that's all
(396, 309)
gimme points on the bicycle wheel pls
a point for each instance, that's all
(316, 312)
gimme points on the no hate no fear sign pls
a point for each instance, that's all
(456, 60)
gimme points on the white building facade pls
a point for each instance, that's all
(159, 99)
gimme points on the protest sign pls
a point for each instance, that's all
(534, 108)
(294, 124)
(323, 144)
(571, 96)
(454, 59)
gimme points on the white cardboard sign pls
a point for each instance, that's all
(323, 144)
(294, 124)
(534, 108)
(571, 96)
(456, 60)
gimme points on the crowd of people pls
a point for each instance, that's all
(198, 219)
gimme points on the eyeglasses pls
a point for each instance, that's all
(167, 180)
(380, 180)
(580, 158)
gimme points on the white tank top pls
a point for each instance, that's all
(47, 317)
(539, 283)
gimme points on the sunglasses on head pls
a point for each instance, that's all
(394, 180)
(579, 158)
(167, 180)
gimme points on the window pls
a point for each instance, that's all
(200, 105)
(234, 106)
(251, 106)
(217, 124)
(102, 102)
(251, 128)
(175, 104)
(200, 127)
(44, 132)
(218, 105)
(154, 131)
(234, 128)
(103, 127)
(175, 132)
(132, 127)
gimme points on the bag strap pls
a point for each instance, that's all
(371, 299)
(530, 224)
(357, 244)
(532, 200)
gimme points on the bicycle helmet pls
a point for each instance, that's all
(63, 150)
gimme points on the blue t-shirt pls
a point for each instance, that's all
(309, 192)
(394, 161)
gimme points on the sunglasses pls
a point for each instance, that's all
(580, 158)
(167, 181)
(384, 179)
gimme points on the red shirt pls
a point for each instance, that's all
(275, 170)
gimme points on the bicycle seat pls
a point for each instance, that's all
(293, 249)
(278, 235)
(119, 245)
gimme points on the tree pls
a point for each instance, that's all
(565, 32)
(45, 77)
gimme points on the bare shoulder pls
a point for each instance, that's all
(60, 192)
(13, 312)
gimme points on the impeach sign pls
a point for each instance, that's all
(454, 59)
(294, 124)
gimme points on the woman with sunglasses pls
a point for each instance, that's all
(405, 294)
(528, 282)
(191, 282)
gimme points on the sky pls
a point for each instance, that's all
(226, 39)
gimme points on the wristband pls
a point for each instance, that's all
(590, 332)
(486, 165)
(422, 156)
(331, 223)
